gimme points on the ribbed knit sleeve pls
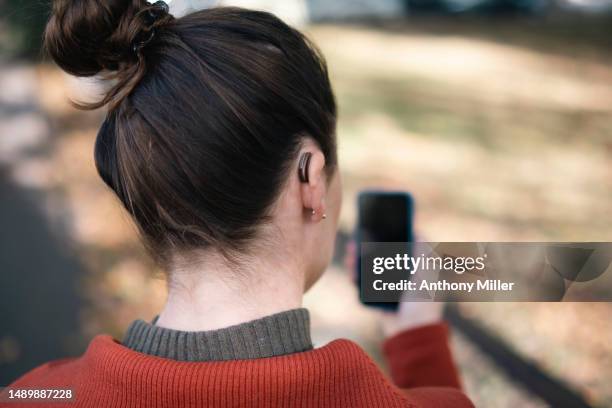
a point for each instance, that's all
(421, 357)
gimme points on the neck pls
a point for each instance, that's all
(211, 294)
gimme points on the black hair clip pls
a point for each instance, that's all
(154, 12)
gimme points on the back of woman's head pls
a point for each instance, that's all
(206, 113)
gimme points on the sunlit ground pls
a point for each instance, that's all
(497, 141)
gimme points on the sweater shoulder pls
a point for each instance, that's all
(53, 373)
(418, 396)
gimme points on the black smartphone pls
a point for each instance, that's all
(383, 216)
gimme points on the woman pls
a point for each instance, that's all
(220, 142)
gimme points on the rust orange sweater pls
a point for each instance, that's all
(339, 374)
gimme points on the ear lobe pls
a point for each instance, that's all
(318, 200)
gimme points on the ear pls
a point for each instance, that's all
(314, 190)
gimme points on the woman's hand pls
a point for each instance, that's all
(409, 315)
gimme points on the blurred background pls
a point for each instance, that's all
(495, 114)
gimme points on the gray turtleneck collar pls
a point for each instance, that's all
(275, 335)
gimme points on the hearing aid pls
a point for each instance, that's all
(303, 165)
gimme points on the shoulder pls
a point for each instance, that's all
(368, 377)
(66, 371)
(54, 373)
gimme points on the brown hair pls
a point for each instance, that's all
(205, 117)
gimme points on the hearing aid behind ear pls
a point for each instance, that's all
(303, 165)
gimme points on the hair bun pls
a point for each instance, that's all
(85, 37)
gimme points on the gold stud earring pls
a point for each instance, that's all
(324, 216)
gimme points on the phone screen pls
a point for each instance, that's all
(383, 217)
